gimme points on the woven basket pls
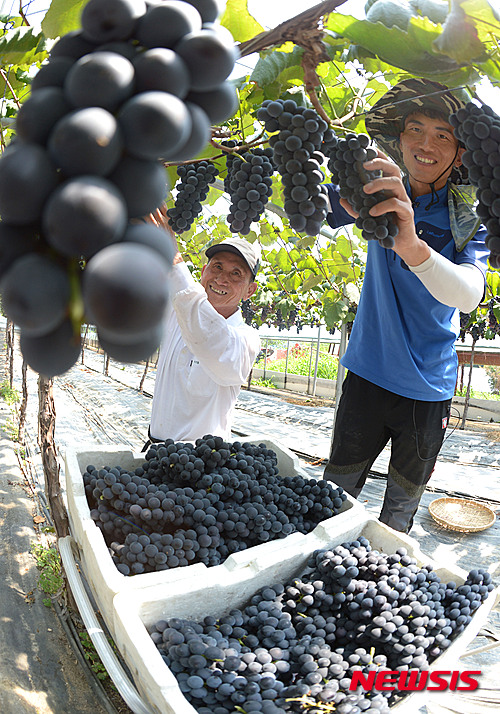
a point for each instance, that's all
(460, 514)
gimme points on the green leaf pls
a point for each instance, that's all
(334, 309)
(343, 246)
(291, 283)
(172, 175)
(493, 280)
(283, 261)
(481, 14)
(305, 261)
(62, 16)
(311, 282)
(267, 234)
(269, 68)
(399, 48)
(293, 75)
(306, 243)
(22, 46)
(491, 69)
(251, 237)
(213, 195)
(240, 23)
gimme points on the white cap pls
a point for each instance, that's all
(250, 252)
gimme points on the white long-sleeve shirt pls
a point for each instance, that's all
(204, 359)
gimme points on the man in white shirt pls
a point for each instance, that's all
(207, 350)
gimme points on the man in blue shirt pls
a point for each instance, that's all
(401, 358)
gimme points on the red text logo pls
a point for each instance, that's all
(414, 680)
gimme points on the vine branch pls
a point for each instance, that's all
(295, 29)
(304, 31)
(10, 88)
(22, 13)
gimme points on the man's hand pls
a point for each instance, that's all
(160, 219)
(408, 245)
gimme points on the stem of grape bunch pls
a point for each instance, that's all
(76, 308)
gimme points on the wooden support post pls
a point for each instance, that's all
(46, 428)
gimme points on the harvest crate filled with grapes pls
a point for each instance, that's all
(292, 634)
(146, 519)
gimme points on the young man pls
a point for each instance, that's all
(401, 358)
(207, 351)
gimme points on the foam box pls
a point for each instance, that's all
(100, 572)
(219, 592)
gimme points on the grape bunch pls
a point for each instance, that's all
(247, 311)
(478, 128)
(191, 191)
(346, 157)
(191, 503)
(249, 184)
(296, 645)
(298, 158)
(138, 84)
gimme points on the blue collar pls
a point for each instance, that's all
(460, 200)
(422, 202)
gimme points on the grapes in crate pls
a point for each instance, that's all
(296, 645)
(346, 157)
(136, 85)
(478, 128)
(297, 136)
(198, 503)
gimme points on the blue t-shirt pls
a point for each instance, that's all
(403, 339)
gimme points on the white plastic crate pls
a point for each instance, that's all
(218, 593)
(106, 581)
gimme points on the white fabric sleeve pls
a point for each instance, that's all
(225, 351)
(460, 286)
(180, 278)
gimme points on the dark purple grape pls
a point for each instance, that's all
(110, 20)
(125, 291)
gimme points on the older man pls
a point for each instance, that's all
(207, 350)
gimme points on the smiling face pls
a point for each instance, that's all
(430, 151)
(227, 281)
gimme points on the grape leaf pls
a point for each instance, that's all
(481, 15)
(240, 23)
(269, 67)
(491, 69)
(62, 16)
(334, 309)
(401, 49)
(311, 281)
(283, 260)
(22, 46)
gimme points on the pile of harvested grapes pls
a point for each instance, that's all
(198, 503)
(297, 645)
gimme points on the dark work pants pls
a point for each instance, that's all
(367, 417)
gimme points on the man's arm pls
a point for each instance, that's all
(460, 286)
(160, 219)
